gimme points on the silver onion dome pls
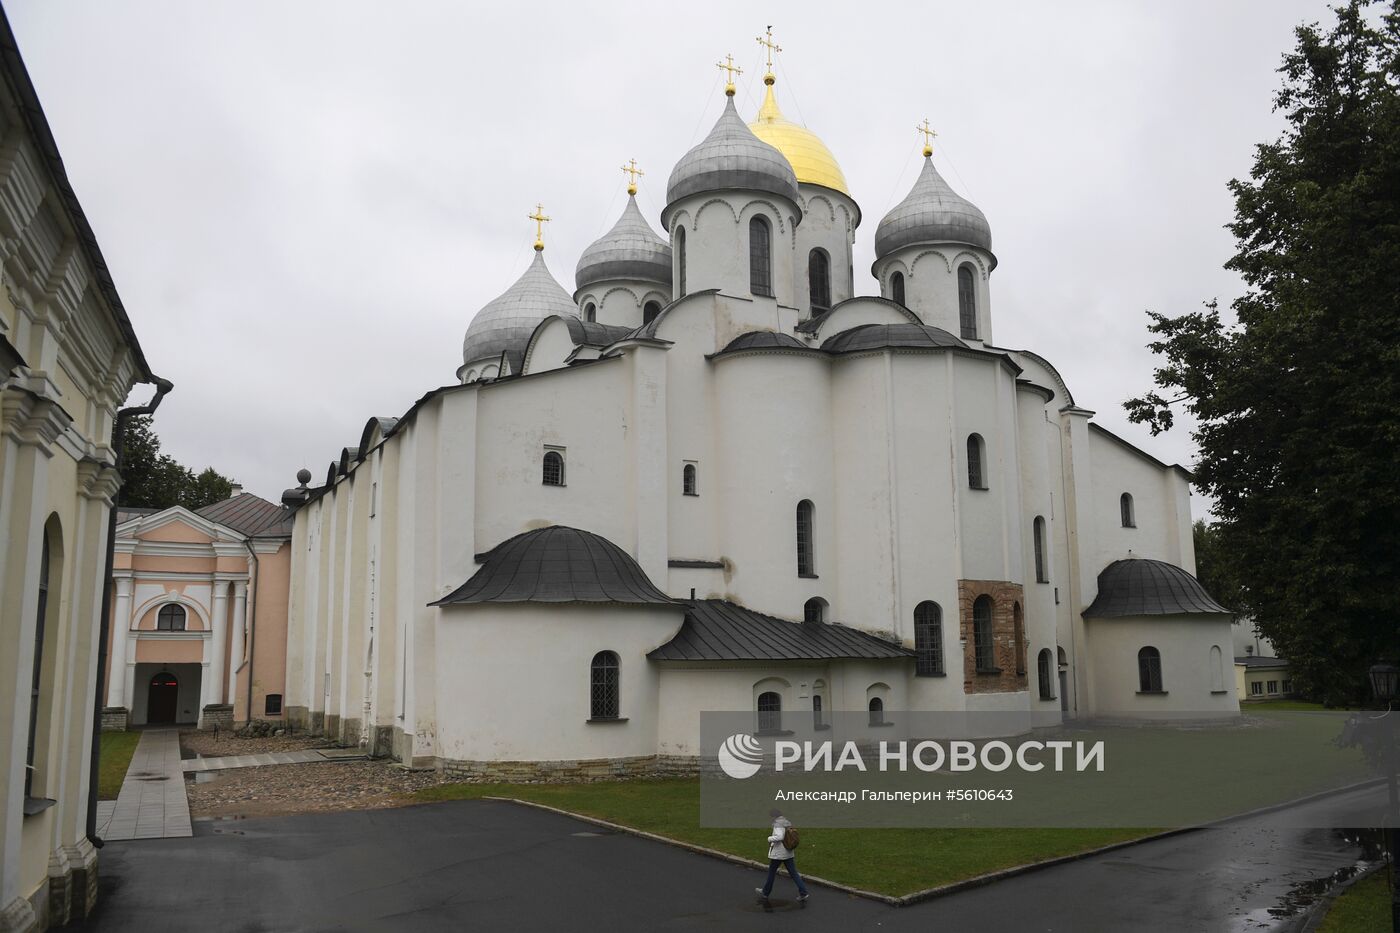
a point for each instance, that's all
(932, 213)
(505, 324)
(730, 158)
(630, 250)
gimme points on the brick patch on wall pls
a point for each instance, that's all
(1005, 598)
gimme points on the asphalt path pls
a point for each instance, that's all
(487, 865)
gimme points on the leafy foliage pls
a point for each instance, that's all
(151, 479)
(1298, 404)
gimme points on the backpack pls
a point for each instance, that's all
(791, 840)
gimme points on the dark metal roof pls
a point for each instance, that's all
(592, 334)
(126, 513)
(814, 323)
(630, 250)
(932, 213)
(250, 515)
(764, 340)
(886, 336)
(27, 100)
(1141, 587)
(558, 565)
(717, 630)
(1254, 662)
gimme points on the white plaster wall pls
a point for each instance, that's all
(1039, 462)
(717, 242)
(774, 449)
(1160, 497)
(490, 707)
(828, 223)
(550, 346)
(1184, 643)
(984, 399)
(583, 410)
(931, 284)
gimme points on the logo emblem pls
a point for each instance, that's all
(740, 756)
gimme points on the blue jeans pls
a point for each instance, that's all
(791, 864)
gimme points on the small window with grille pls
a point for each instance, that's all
(605, 698)
(554, 466)
(688, 480)
(171, 618)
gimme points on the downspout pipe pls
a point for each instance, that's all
(163, 387)
(252, 625)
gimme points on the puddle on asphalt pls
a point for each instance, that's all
(1302, 895)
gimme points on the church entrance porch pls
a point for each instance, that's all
(166, 694)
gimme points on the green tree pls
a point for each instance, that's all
(151, 479)
(1298, 403)
(1217, 571)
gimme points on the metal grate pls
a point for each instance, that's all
(760, 258)
(605, 694)
(975, 477)
(819, 280)
(897, 288)
(1150, 670)
(928, 640)
(553, 468)
(770, 712)
(814, 611)
(688, 480)
(1039, 536)
(967, 303)
(170, 619)
(1043, 672)
(805, 563)
(984, 652)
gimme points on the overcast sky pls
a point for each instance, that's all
(304, 204)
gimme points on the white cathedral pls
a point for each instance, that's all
(715, 478)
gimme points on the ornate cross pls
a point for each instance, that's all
(540, 220)
(928, 135)
(769, 47)
(733, 69)
(632, 173)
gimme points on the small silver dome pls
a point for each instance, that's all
(630, 250)
(731, 158)
(506, 323)
(932, 213)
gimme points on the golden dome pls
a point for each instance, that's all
(812, 162)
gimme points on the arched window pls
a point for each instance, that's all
(678, 244)
(877, 711)
(897, 288)
(817, 712)
(976, 475)
(1018, 630)
(1125, 510)
(983, 649)
(819, 280)
(1038, 533)
(650, 310)
(1042, 670)
(760, 257)
(967, 302)
(553, 468)
(1217, 670)
(36, 682)
(770, 712)
(688, 486)
(590, 312)
(604, 694)
(814, 610)
(171, 618)
(806, 564)
(928, 639)
(1149, 670)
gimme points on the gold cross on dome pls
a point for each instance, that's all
(733, 69)
(769, 46)
(928, 135)
(632, 173)
(540, 220)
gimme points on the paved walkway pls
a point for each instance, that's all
(152, 802)
(487, 865)
(252, 761)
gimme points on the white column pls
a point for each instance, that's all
(236, 644)
(213, 689)
(118, 693)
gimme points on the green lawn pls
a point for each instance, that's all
(1261, 705)
(117, 749)
(890, 861)
(1364, 908)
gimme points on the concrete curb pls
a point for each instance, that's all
(904, 901)
(1319, 910)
